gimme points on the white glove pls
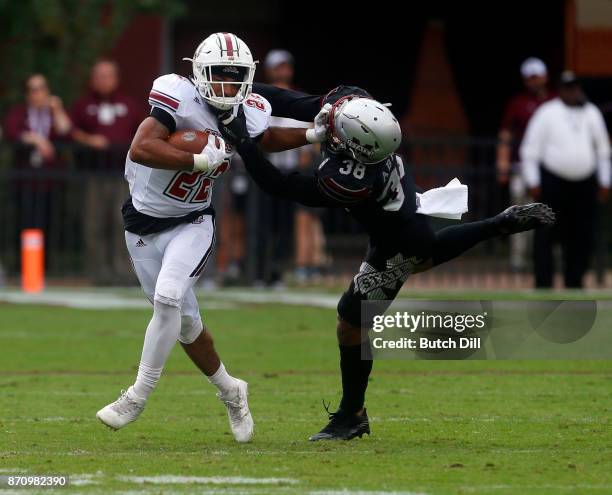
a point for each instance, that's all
(319, 133)
(213, 155)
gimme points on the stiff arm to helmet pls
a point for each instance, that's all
(359, 126)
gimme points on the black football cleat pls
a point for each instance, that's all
(343, 427)
(519, 218)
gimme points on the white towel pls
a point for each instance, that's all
(450, 201)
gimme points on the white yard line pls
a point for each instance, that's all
(239, 485)
(201, 491)
(276, 297)
(543, 486)
(236, 485)
(169, 479)
(77, 299)
(86, 479)
(361, 492)
(106, 299)
(121, 298)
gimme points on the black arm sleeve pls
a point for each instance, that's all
(288, 103)
(294, 186)
(164, 118)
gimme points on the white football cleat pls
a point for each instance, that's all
(123, 411)
(240, 419)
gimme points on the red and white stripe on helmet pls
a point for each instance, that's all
(222, 49)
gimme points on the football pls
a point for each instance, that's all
(189, 140)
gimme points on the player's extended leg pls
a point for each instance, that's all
(198, 344)
(380, 278)
(453, 241)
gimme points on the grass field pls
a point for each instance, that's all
(483, 427)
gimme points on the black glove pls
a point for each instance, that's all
(234, 128)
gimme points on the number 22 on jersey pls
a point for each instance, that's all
(193, 187)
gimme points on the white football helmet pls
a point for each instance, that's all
(364, 128)
(223, 54)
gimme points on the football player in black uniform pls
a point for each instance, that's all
(361, 173)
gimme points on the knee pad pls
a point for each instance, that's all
(191, 328)
(168, 292)
(374, 288)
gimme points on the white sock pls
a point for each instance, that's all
(162, 334)
(222, 380)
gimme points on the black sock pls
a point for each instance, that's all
(455, 240)
(355, 374)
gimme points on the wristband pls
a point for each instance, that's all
(200, 162)
(311, 137)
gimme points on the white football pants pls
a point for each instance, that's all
(169, 263)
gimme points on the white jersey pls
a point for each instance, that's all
(171, 193)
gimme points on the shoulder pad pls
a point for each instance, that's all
(168, 91)
(257, 111)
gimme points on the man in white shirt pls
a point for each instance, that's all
(565, 156)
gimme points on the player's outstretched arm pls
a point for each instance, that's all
(277, 139)
(274, 139)
(294, 186)
(149, 147)
(289, 103)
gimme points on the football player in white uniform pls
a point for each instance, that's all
(169, 221)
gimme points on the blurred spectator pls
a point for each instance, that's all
(280, 68)
(36, 124)
(516, 116)
(565, 156)
(230, 253)
(39, 121)
(285, 238)
(309, 235)
(105, 116)
(105, 121)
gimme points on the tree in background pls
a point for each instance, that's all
(62, 38)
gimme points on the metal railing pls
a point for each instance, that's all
(77, 203)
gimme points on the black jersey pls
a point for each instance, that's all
(381, 196)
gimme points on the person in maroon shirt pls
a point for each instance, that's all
(105, 121)
(38, 122)
(518, 111)
(105, 116)
(35, 127)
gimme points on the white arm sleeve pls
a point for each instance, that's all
(531, 148)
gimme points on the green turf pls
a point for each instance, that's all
(507, 427)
